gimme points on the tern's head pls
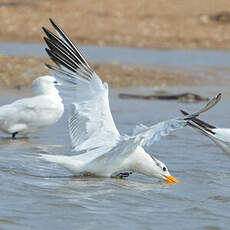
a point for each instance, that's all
(45, 85)
(150, 166)
(161, 171)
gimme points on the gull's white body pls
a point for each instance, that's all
(33, 114)
(222, 139)
(220, 136)
(100, 149)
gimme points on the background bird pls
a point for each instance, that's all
(33, 114)
(220, 136)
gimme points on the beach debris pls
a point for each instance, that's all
(183, 97)
(220, 17)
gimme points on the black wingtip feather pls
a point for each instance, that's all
(183, 112)
(68, 48)
(52, 22)
(50, 35)
(200, 128)
(56, 27)
(45, 30)
(58, 49)
(46, 40)
(199, 122)
(53, 57)
(63, 52)
(59, 60)
(68, 40)
(197, 127)
(48, 66)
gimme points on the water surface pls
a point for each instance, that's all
(35, 194)
(135, 56)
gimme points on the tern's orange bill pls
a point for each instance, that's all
(171, 179)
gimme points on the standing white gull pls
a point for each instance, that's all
(33, 114)
(220, 136)
(100, 148)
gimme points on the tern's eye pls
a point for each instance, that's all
(164, 169)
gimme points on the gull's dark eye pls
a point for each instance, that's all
(55, 82)
(164, 169)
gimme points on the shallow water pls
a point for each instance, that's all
(200, 63)
(35, 194)
(147, 57)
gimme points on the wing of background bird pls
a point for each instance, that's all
(90, 122)
(221, 137)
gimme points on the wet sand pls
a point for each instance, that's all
(21, 71)
(152, 24)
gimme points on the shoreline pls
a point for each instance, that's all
(17, 72)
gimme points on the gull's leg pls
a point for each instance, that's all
(14, 134)
(123, 174)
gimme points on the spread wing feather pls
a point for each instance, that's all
(148, 135)
(91, 125)
(145, 136)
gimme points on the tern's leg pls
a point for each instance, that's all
(123, 174)
(14, 134)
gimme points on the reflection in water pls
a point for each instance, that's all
(32, 144)
(9, 141)
(128, 184)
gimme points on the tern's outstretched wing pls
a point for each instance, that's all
(90, 123)
(145, 136)
(148, 135)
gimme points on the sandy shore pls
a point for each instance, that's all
(160, 24)
(19, 72)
